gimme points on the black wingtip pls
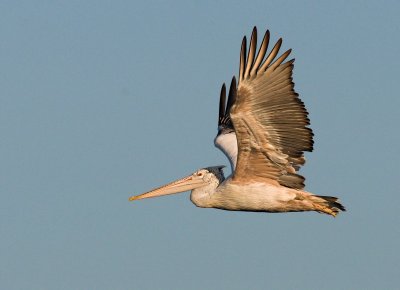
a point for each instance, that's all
(223, 89)
(231, 95)
(267, 34)
(222, 102)
(232, 89)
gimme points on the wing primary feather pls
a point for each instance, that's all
(271, 55)
(252, 52)
(261, 53)
(231, 96)
(279, 60)
(289, 62)
(242, 59)
(222, 101)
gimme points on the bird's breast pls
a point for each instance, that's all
(252, 197)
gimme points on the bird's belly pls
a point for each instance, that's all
(254, 197)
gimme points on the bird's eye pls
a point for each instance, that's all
(199, 173)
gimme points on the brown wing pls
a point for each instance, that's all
(270, 120)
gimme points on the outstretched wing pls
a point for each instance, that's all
(226, 137)
(270, 120)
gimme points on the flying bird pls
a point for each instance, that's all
(263, 130)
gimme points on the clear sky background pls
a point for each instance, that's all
(103, 99)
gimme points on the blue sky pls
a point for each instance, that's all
(103, 99)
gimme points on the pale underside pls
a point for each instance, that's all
(259, 196)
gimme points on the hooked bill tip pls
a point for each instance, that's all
(133, 198)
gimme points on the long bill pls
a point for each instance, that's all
(184, 184)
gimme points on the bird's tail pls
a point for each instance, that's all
(327, 204)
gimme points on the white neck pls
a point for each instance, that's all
(202, 196)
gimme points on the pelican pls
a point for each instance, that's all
(263, 130)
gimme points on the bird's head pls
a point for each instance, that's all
(205, 177)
